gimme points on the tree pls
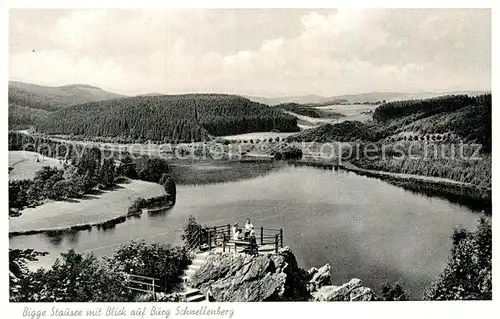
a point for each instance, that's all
(107, 172)
(127, 168)
(153, 170)
(170, 188)
(63, 189)
(191, 229)
(49, 189)
(18, 195)
(18, 269)
(85, 183)
(90, 163)
(76, 278)
(467, 275)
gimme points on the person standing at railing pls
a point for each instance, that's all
(253, 241)
(248, 228)
(234, 230)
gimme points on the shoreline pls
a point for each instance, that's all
(474, 197)
(106, 224)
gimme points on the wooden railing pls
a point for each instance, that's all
(144, 284)
(194, 241)
(214, 236)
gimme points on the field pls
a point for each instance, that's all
(92, 208)
(351, 112)
(25, 164)
(256, 135)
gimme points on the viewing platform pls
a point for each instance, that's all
(220, 239)
(201, 242)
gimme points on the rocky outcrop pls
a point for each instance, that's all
(351, 291)
(242, 277)
(318, 278)
(272, 277)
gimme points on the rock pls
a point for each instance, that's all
(241, 277)
(319, 278)
(312, 271)
(361, 294)
(351, 291)
(272, 277)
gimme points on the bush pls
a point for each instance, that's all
(393, 292)
(137, 206)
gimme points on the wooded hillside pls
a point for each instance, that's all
(171, 118)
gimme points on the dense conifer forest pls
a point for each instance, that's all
(169, 118)
(23, 117)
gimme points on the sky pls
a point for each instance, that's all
(261, 52)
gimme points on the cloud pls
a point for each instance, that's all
(261, 52)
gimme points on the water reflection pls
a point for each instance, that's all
(55, 238)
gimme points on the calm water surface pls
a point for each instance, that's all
(363, 227)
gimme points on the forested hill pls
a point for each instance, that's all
(167, 118)
(53, 98)
(428, 107)
(435, 137)
(451, 118)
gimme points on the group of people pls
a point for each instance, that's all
(248, 234)
(239, 234)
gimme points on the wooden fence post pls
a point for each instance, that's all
(223, 243)
(276, 242)
(281, 237)
(261, 236)
(154, 293)
(215, 236)
(209, 235)
(228, 230)
(199, 238)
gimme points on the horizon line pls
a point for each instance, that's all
(255, 95)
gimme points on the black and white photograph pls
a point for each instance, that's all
(218, 155)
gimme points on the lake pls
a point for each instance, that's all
(363, 227)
